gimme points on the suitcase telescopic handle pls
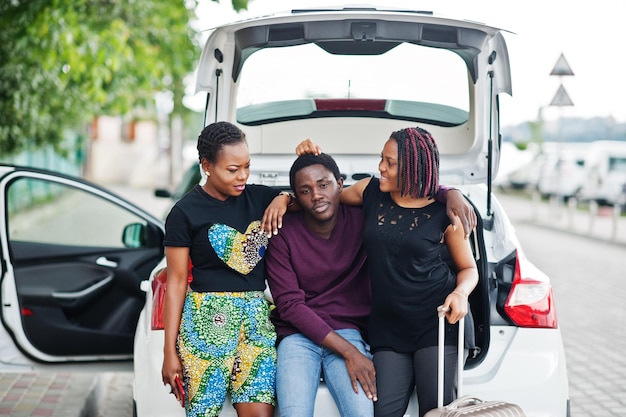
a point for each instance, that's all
(440, 355)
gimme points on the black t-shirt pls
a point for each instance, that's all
(409, 277)
(226, 244)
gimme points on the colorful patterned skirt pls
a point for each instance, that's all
(227, 346)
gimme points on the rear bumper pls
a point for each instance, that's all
(526, 367)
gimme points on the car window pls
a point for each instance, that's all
(279, 83)
(41, 211)
(617, 164)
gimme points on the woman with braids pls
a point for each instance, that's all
(406, 230)
(218, 336)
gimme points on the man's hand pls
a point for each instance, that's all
(361, 369)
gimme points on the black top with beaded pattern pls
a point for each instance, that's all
(410, 278)
(226, 244)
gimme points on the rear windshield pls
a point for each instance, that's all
(408, 82)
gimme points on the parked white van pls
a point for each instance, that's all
(562, 173)
(605, 172)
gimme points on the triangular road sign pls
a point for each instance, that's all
(561, 98)
(561, 67)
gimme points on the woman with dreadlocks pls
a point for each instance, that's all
(406, 231)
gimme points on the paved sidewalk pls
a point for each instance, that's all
(66, 394)
(591, 221)
(58, 394)
(116, 396)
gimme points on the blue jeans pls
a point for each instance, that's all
(300, 363)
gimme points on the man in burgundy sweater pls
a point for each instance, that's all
(317, 274)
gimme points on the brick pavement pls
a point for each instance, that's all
(57, 394)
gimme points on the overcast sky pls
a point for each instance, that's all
(590, 35)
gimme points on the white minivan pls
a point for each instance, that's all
(605, 173)
(83, 273)
(562, 171)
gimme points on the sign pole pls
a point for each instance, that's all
(560, 99)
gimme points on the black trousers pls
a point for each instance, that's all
(397, 374)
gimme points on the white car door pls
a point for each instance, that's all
(73, 257)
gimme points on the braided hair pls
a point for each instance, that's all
(215, 136)
(418, 162)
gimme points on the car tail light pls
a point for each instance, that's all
(530, 302)
(159, 283)
(26, 312)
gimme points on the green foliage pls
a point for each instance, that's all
(62, 62)
(238, 4)
(536, 128)
(522, 146)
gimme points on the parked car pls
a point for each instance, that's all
(83, 271)
(527, 175)
(192, 176)
(516, 166)
(605, 173)
(562, 173)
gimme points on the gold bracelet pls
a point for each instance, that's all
(460, 293)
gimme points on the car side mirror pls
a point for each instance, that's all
(138, 235)
(163, 193)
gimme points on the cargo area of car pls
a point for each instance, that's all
(338, 85)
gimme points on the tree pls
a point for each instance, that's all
(536, 128)
(62, 62)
